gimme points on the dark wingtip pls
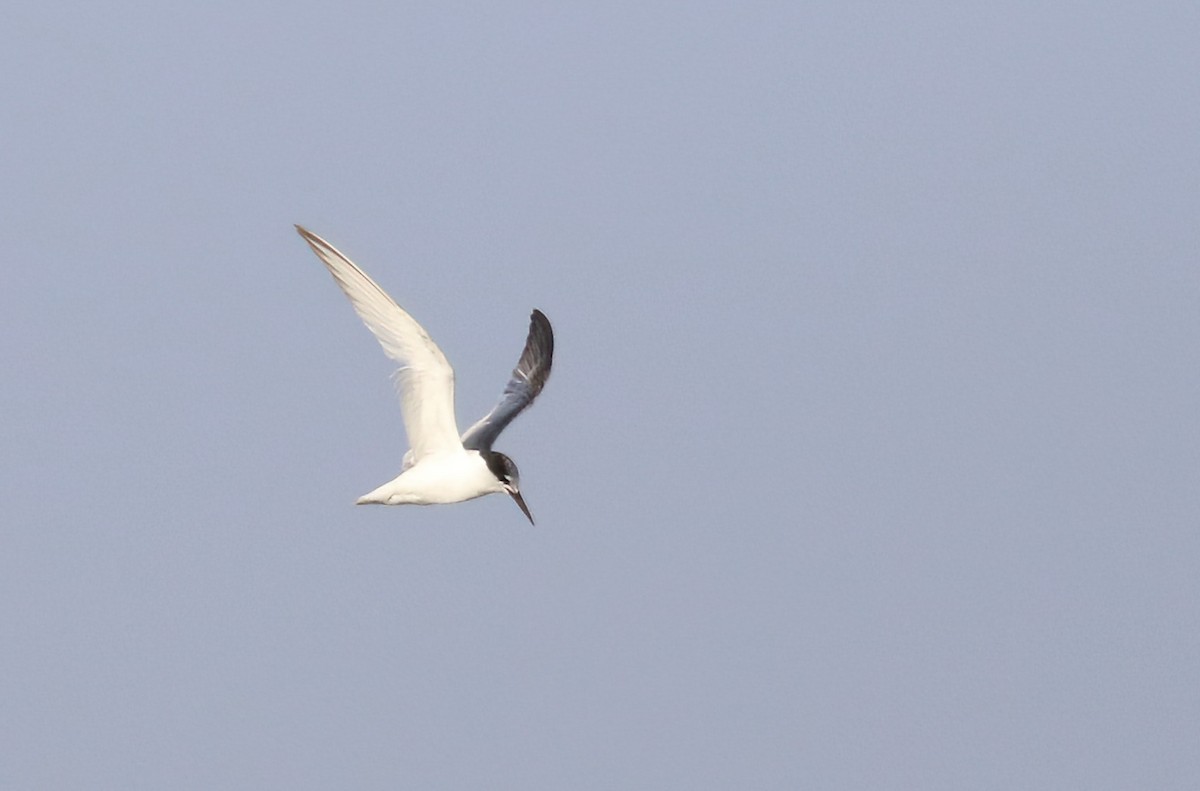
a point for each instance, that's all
(542, 335)
(539, 322)
(308, 235)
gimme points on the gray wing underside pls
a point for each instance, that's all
(528, 379)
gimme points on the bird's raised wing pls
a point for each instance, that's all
(425, 379)
(528, 379)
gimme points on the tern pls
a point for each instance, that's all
(441, 466)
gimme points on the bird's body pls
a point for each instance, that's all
(450, 476)
(441, 467)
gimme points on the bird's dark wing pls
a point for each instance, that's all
(528, 379)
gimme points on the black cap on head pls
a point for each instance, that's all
(505, 470)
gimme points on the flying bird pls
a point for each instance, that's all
(441, 466)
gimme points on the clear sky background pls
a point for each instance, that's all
(871, 457)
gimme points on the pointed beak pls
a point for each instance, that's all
(516, 495)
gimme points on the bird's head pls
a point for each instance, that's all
(505, 470)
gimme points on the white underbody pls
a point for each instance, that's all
(450, 476)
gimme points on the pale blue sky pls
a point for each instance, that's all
(871, 457)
